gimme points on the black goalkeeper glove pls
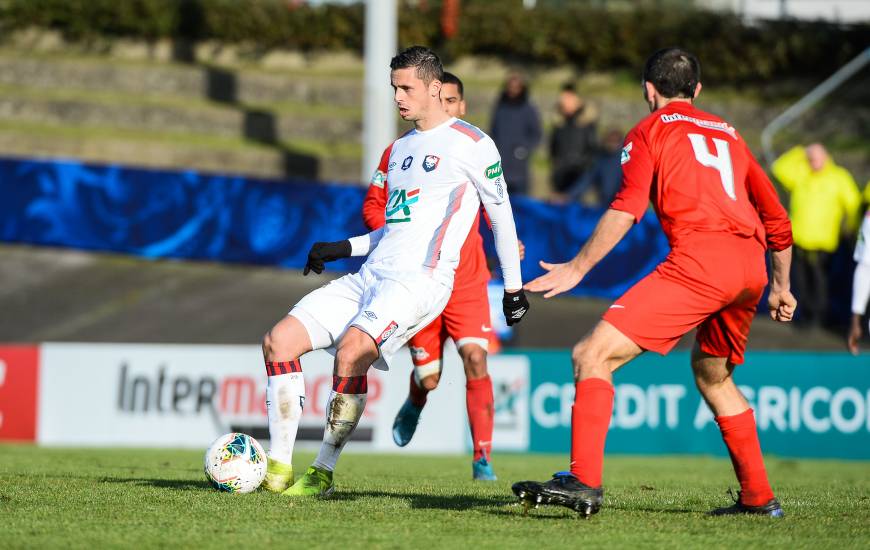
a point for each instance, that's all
(321, 253)
(514, 305)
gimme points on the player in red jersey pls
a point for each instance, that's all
(719, 212)
(465, 319)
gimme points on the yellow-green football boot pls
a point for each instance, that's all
(279, 476)
(316, 482)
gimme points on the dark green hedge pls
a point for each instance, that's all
(580, 33)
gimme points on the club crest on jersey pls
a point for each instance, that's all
(624, 156)
(391, 328)
(430, 162)
(407, 162)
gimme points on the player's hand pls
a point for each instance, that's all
(515, 305)
(781, 305)
(854, 335)
(522, 250)
(321, 253)
(561, 278)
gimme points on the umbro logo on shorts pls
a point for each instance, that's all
(370, 315)
(391, 328)
(485, 328)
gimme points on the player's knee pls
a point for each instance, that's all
(588, 361)
(474, 361)
(272, 345)
(430, 382)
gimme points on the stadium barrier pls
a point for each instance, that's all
(184, 214)
(806, 404)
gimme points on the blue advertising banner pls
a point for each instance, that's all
(185, 214)
(806, 405)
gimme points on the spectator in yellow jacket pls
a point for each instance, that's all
(825, 203)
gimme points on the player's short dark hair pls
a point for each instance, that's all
(426, 63)
(450, 78)
(674, 72)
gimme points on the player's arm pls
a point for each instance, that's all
(626, 209)
(486, 174)
(780, 301)
(375, 200)
(322, 252)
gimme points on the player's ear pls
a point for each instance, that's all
(461, 108)
(435, 88)
(697, 90)
(649, 91)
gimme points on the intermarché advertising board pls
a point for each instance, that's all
(806, 405)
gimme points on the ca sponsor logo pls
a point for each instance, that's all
(391, 166)
(625, 157)
(378, 178)
(493, 171)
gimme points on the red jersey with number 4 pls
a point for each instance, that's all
(472, 267)
(701, 178)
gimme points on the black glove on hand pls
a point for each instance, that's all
(514, 305)
(321, 253)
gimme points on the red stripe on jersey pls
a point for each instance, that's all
(468, 130)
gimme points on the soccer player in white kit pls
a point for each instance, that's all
(440, 172)
(860, 284)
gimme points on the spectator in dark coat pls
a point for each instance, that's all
(573, 140)
(605, 174)
(516, 130)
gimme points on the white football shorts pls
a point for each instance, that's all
(391, 307)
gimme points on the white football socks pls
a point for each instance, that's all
(343, 412)
(285, 396)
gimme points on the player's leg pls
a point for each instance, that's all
(355, 353)
(314, 323)
(720, 345)
(283, 346)
(467, 320)
(426, 348)
(595, 358)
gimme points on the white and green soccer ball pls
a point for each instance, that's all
(235, 463)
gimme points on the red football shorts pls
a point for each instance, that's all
(465, 319)
(713, 282)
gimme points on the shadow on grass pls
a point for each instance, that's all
(176, 484)
(427, 501)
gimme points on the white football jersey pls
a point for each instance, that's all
(862, 247)
(438, 179)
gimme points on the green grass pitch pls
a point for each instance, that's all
(102, 498)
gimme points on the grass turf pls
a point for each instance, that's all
(152, 498)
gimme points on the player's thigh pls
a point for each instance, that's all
(394, 311)
(466, 316)
(326, 312)
(603, 351)
(426, 348)
(287, 340)
(659, 309)
(725, 333)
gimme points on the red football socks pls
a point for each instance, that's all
(479, 402)
(416, 393)
(741, 438)
(590, 419)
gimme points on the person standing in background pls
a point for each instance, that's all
(573, 140)
(516, 130)
(824, 199)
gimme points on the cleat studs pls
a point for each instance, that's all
(538, 499)
(522, 494)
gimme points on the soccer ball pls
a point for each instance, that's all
(235, 463)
